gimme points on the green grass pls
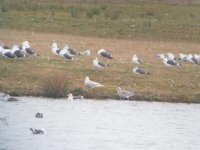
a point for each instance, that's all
(136, 20)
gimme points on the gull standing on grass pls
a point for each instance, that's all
(104, 53)
(99, 64)
(136, 60)
(84, 53)
(26, 48)
(169, 63)
(55, 49)
(124, 94)
(65, 53)
(140, 71)
(91, 84)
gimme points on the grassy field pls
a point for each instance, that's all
(128, 20)
(125, 28)
(26, 76)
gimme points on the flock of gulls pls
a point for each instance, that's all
(68, 53)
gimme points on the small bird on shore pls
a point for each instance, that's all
(92, 84)
(104, 53)
(99, 64)
(136, 60)
(37, 131)
(17, 52)
(140, 71)
(71, 97)
(124, 94)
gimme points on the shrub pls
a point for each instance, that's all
(113, 15)
(89, 14)
(56, 85)
(74, 12)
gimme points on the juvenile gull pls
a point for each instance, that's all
(104, 53)
(92, 84)
(85, 53)
(99, 64)
(139, 71)
(136, 60)
(160, 56)
(124, 94)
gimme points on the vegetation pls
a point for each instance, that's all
(55, 85)
(143, 28)
(129, 20)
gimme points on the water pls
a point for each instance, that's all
(99, 125)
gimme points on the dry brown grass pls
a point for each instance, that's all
(162, 84)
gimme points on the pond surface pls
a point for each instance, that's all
(99, 125)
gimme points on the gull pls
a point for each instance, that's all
(39, 115)
(136, 60)
(170, 56)
(55, 49)
(38, 131)
(99, 64)
(27, 49)
(71, 97)
(104, 53)
(183, 57)
(6, 97)
(70, 52)
(169, 63)
(160, 56)
(65, 53)
(16, 51)
(124, 94)
(192, 59)
(85, 53)
(92, 84)
(7, 53)
(140, 71)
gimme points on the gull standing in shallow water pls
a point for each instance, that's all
(71, 97)
(38, 131)
(124, 94)
(92, 84)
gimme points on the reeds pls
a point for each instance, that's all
(55, 85)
